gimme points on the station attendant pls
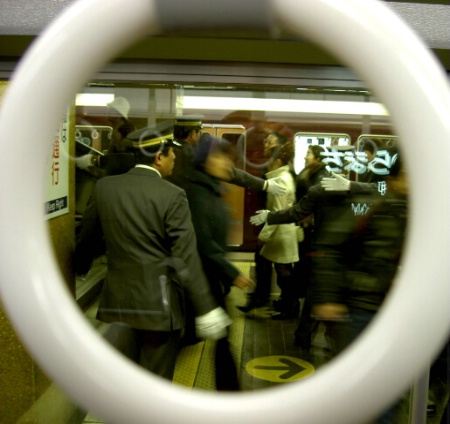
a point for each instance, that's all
(152, 257)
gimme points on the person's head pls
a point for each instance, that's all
(188, 128)
(154, 147)
(397, 180)
(118, 142)
(314, 155)
(272, 142)
(118, 111)
(214, 157)
(369, 148)
(284, 156)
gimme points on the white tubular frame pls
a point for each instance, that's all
(410, 328)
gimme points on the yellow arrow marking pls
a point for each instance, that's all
(279, 369)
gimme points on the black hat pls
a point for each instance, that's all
(152, 138)
(188, 121)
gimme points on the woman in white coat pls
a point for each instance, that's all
(279, 243)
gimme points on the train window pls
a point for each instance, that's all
(332, 144)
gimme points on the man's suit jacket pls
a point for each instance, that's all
(151, 251)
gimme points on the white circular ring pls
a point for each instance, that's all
(396, 64)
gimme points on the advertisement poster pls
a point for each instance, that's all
(57, 200)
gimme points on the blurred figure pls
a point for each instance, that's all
(360, 254)
(311, 175)
(359, 258)
(152, 257)
(213, 164)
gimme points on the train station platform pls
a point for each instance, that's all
(265, 354)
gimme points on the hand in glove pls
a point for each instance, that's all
(212, 325)
(260, 217)
(273, 187)
(337, 183)
(84, 162)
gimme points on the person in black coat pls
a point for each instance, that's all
(312, 174)
(212, 162)
(359, 251)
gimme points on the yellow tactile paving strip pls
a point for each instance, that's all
(187, 364)
(195, 364)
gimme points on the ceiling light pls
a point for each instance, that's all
(279, 105)
(93, 99)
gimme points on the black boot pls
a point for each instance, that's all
(288, 312)
(253, 302)
(280, 304)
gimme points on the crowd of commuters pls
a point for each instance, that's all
(356, 248)
(332, 243)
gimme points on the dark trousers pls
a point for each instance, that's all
(263, 274)
(155, 351)
(225, 367)
(285, 281)
(307, 326)
(303, 268)
(287, 284)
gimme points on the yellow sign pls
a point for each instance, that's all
(279, 369)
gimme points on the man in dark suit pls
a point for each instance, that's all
(152, 256)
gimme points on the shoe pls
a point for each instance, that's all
(288, 313)
(252, 304)
(279, 305)
(301, 343)
(282, 316)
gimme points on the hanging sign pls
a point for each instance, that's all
(57, 199)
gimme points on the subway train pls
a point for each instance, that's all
(244, 89)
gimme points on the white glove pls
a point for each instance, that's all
(338, 183)
(260, 217)
(84, 162)
(273, 187)
(212, 325)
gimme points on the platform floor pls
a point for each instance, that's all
(266, 356)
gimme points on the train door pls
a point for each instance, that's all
(233, 195)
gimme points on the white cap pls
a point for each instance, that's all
(121, 105)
